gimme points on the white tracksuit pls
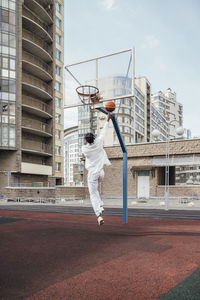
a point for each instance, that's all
(96, 158)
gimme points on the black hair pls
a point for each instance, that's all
(89, 137)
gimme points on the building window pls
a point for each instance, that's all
(58, 134)
(58, 22)
(58, 70)
(58, 7)
(58, 86)
(58, 150)
(58, 102)
(58, 167)
(58, 39)
(58, 54)
(58, 118)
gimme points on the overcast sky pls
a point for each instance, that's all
(164, 33)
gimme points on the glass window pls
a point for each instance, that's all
(12, 39)
(4, 73)
(5, 16)
(12, 64)
(58, 38)
(12, 86)
(58, 166)
(58, 70)
(58, 22)
(12, 119)
(58, 7)
(5, 3)
(58, 118)
(4, 135)
(12, 18)
(5, 39)
(58, 86)
(58, 54)
(12, 109)
(58, 102)
(12, 74)
(5, 62)
(12, 5)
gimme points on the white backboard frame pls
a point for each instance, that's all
(131, 67)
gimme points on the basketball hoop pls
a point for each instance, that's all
(88, 94)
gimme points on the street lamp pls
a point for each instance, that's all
(155, 134)
(179, 131)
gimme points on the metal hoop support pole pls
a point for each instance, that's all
(123, 146)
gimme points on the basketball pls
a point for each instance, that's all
(110, 106)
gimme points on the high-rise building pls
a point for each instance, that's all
(31, 97)
(59, 87)
(133, 113)
(72, 158)
(167, 104)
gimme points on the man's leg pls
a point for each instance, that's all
(100, 179)
(94, 194)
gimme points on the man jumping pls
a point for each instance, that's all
(96, 158)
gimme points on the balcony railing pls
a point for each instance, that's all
(32, 102)
(33, 38)
(36, 146)
(35, 125)
(45, 6)
(36, 61)
(29, 79)
(29, 15)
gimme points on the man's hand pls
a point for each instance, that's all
(109, 117)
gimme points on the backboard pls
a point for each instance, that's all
(112, 74)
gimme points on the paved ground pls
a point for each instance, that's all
(46, 255)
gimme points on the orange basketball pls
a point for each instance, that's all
(110, 106)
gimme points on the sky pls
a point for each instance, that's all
(164, 33)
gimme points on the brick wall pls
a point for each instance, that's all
(140, 157)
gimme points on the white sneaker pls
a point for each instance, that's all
(100, 220)
(102, 209)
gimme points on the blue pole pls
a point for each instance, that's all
(125, 210)
(123, 146)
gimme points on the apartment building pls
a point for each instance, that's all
(72, 158)
(29, 132)
(133, 113)
(172, 110)
(59, 87)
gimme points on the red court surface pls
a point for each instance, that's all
(59, 256)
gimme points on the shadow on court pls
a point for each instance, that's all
(59, 256)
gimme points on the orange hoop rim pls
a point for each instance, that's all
(88, 93)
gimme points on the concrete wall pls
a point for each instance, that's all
(46, 193)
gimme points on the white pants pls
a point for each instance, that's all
(93, 182)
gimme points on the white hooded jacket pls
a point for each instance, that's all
(95, 155)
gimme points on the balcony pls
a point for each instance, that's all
(33, 24)
(36, 46)
(46, 13)
(36, 148)
(36, 87)
(36, 127)
(36, 107)
(36, 67)
(29, 168)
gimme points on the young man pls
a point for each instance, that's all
(96, 158)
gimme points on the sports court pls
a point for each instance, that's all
(47, 255)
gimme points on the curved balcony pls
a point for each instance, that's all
(46, 14)
(36, 67)
(36, 46)
(36, 87)
(35, 127)
(36, 107)
(34, 25)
